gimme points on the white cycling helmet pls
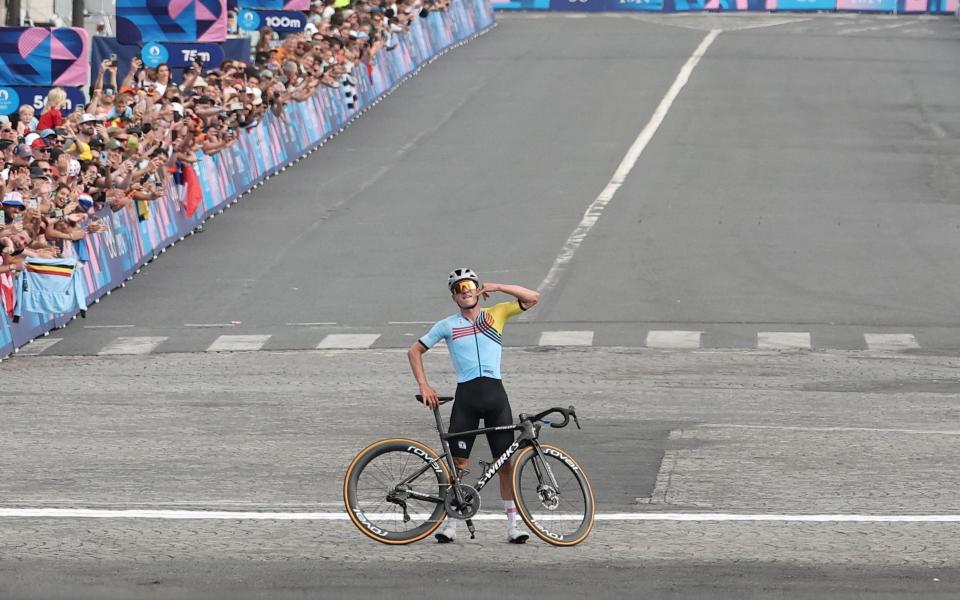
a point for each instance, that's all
(460, 274)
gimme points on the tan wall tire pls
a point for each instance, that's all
(412, 453)
(578, 499)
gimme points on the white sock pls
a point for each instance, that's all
(450, 524)
(511, 509)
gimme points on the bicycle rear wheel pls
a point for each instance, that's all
(378, 486)
(560, 514)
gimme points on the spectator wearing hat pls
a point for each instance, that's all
(81, 145)
(13, 207)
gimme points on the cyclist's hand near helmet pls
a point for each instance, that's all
(488, 288)
(429, 396)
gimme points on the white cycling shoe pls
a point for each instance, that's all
(515, 536)
(447, 533)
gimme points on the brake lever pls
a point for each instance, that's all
(573, 413)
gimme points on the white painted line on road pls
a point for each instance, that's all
(566, 338)
(86, 513)
(891, 342)
(238, 343)
(38, 346)
(593, 212)
(348, 340)
(132, 345)
(770, 23)
(836, 429)
(783, 340)
(876, 28)
(674, 339)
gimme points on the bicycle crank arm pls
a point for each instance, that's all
(473, 530)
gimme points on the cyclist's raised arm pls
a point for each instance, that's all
(415, 356)
(528, 298)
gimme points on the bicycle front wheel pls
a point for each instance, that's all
(394, 491)
(553, 495)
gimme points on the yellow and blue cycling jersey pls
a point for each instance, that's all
(475, 348)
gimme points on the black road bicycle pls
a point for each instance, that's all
(398, 490)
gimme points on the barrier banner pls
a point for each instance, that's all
(578, 5)
(727, 5)
(938, 7)
(281, 21)
(103, 47)
(302, 5)
(801, 5)
(179, 55)
(44, 57)
(37, 96)
(888, 6)
(643, 5)
(140, 21)
(867, 5)
(128, 244)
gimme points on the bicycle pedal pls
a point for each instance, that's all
(484, 465)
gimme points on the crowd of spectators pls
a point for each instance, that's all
(136, 135)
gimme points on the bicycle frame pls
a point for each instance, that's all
(529, 436)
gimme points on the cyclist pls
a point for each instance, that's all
(473, 340)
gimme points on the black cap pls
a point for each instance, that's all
(36, 173)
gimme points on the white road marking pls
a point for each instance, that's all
(86, 513)
(593, 212)
(238, 343)
(566, 338)
(771, 23)
(835, 429)
(674, 339)
(348, 340)
(132, 345)
(38, 346)
(783, 340)
(890, 341)
(876, 28)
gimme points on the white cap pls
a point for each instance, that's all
(31, 138)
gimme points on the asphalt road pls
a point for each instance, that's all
(803, 181)
(753, 434)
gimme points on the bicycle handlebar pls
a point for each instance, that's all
(568, 412)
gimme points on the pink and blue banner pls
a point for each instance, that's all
(37, 56)
(141, 21)
(128, 243)
(885, 6)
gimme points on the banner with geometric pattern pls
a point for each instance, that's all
(45, 57)
(141, 21)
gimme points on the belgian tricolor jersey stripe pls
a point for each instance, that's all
(62, 271)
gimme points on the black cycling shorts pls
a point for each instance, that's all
(481, 398)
